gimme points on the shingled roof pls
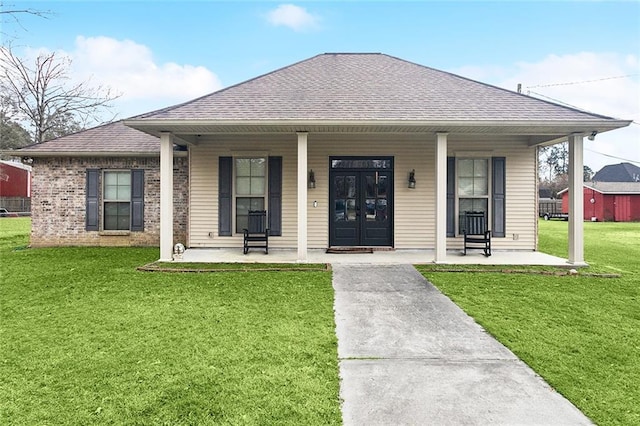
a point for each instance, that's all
(365, 87)
(340, 92)
(623, 172)
(110, 139)
(611, 187)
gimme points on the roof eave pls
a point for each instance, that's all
(157, 126)
(35, 154)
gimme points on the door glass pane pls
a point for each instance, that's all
(347, 163)
(383, 182)
(371, 209)
(340, 210)
(339, 185)
(351, 209)
(370, 186)
(381, 209)
(350, 189)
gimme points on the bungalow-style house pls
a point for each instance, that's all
(609, 201)
(340, 149)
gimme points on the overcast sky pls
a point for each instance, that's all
(585, 54)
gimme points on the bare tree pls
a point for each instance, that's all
(43, 94)
(10, 13)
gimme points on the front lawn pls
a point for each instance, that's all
(87, 339)
(582, 334)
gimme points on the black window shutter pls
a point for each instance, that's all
(451, 196)
(137, 200)
(498, 186)
(275, 196)
(225, 191)
(93, 199)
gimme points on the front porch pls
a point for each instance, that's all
(453, 257)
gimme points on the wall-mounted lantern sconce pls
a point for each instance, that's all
(412, 179)
(312, 179)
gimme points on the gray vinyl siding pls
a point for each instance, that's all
(414, 209)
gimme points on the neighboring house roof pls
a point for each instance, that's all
(611, 187)
(355, 89)
(545, 192)
(623, 172)
(113, 139)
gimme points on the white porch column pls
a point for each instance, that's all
(576, 207)
(166, 197)
(302, 196)
(441, 197)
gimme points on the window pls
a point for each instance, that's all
(250, 187)
(117, 200)
(473, 187)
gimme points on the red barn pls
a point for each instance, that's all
(15, 186)
(609, 201)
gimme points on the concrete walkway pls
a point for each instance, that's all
(410, 356)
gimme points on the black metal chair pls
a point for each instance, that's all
(476, 234)
(257, 233)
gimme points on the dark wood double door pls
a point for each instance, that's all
(361, 203)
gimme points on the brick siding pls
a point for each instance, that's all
(58, 200)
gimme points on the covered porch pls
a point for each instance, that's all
(336, 106)
(379, 257)
(443, 251)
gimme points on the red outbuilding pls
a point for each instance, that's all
(15, 186)
(609, 201)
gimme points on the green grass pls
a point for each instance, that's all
(87, 339)
(581, 333)
(231, 267)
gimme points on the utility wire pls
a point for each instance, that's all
(581, 82)
(612, 156)
(570, 105)
(558, 101)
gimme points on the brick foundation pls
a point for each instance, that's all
(58, 199)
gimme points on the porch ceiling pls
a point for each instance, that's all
(539, 132)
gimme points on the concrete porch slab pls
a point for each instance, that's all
(393, 257)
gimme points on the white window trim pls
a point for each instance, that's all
(238, 155)
(478, 156)
(103, 200)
